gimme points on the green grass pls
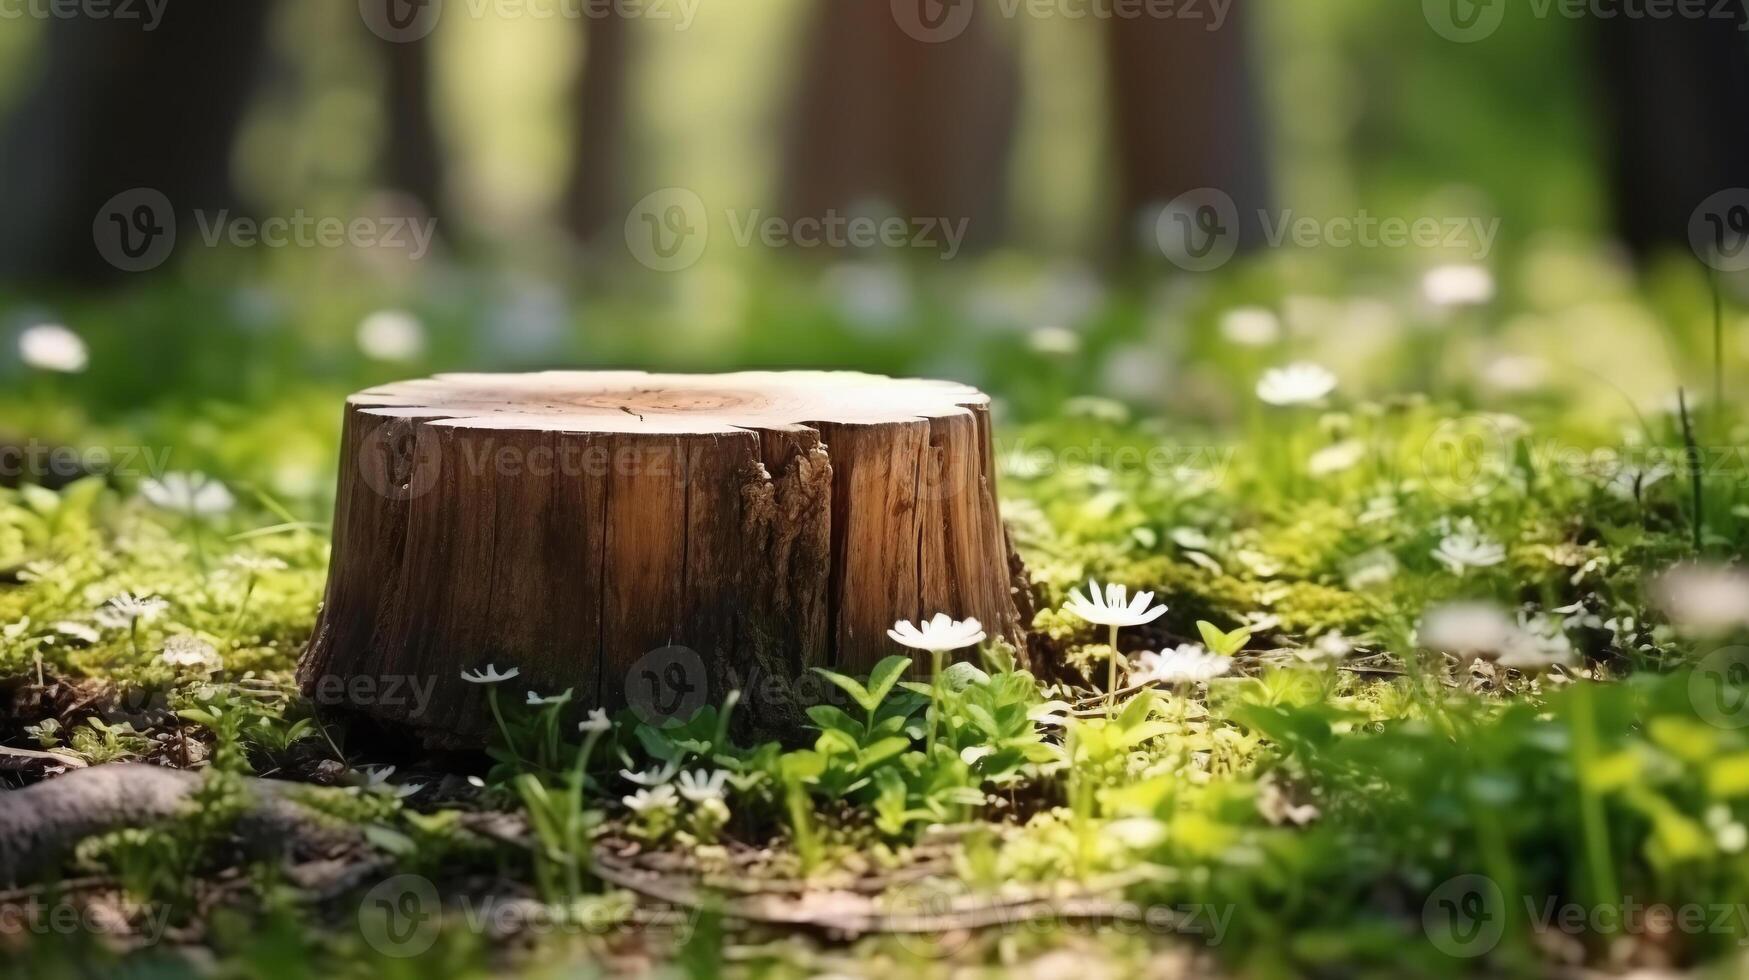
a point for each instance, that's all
(1325, 808)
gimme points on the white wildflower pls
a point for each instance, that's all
(1458, 285)
(1515, 374)
(1331, 646)
(190, 494)
(376, 775)
(490, 675)
(1251, 326)
(1113, 606)
(1729, 834)
(125, 610)
(1379, 509)
(699, 786)
(1334, 645)
(1054, 341)
(1296, 384)
(1337, 458)
(76, 631)
(1704, 599)
(1136, 833)
(52, 347)
(651, 777)
(535, 700)
(1467, 548)
(1466, 629)
(1188, 664)
(647, 800)
(391, 335)
(1274, 804)
(183, 650)
(596, 721)
(1539, 645)
(1632, 482)
(938, 634)
(1371, 570)
(745, 782)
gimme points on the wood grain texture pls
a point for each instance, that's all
(648, 540)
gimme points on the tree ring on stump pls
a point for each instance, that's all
(649, 540)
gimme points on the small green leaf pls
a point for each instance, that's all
(1223, 644)
(848, 685)
(882, 678)
(831, 718)
(883, 750)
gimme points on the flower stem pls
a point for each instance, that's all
(574, 823)
(934, 700)
(1111, 677)
(503, 729)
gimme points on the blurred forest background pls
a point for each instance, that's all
(531, 139)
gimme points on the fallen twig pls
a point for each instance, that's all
(856, 914)
(72, 762)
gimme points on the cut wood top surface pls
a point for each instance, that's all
(634, 401)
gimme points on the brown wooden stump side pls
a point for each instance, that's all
(648, 540)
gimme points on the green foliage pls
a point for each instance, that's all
(1320, 793)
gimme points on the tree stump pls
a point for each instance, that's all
(649, 540)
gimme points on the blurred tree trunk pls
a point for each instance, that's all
(591, 201)
(1185, 116)
(1674, 92)
(923, 127)
(413, 159)
(115, 107)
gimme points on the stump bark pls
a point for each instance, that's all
(649, 540)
